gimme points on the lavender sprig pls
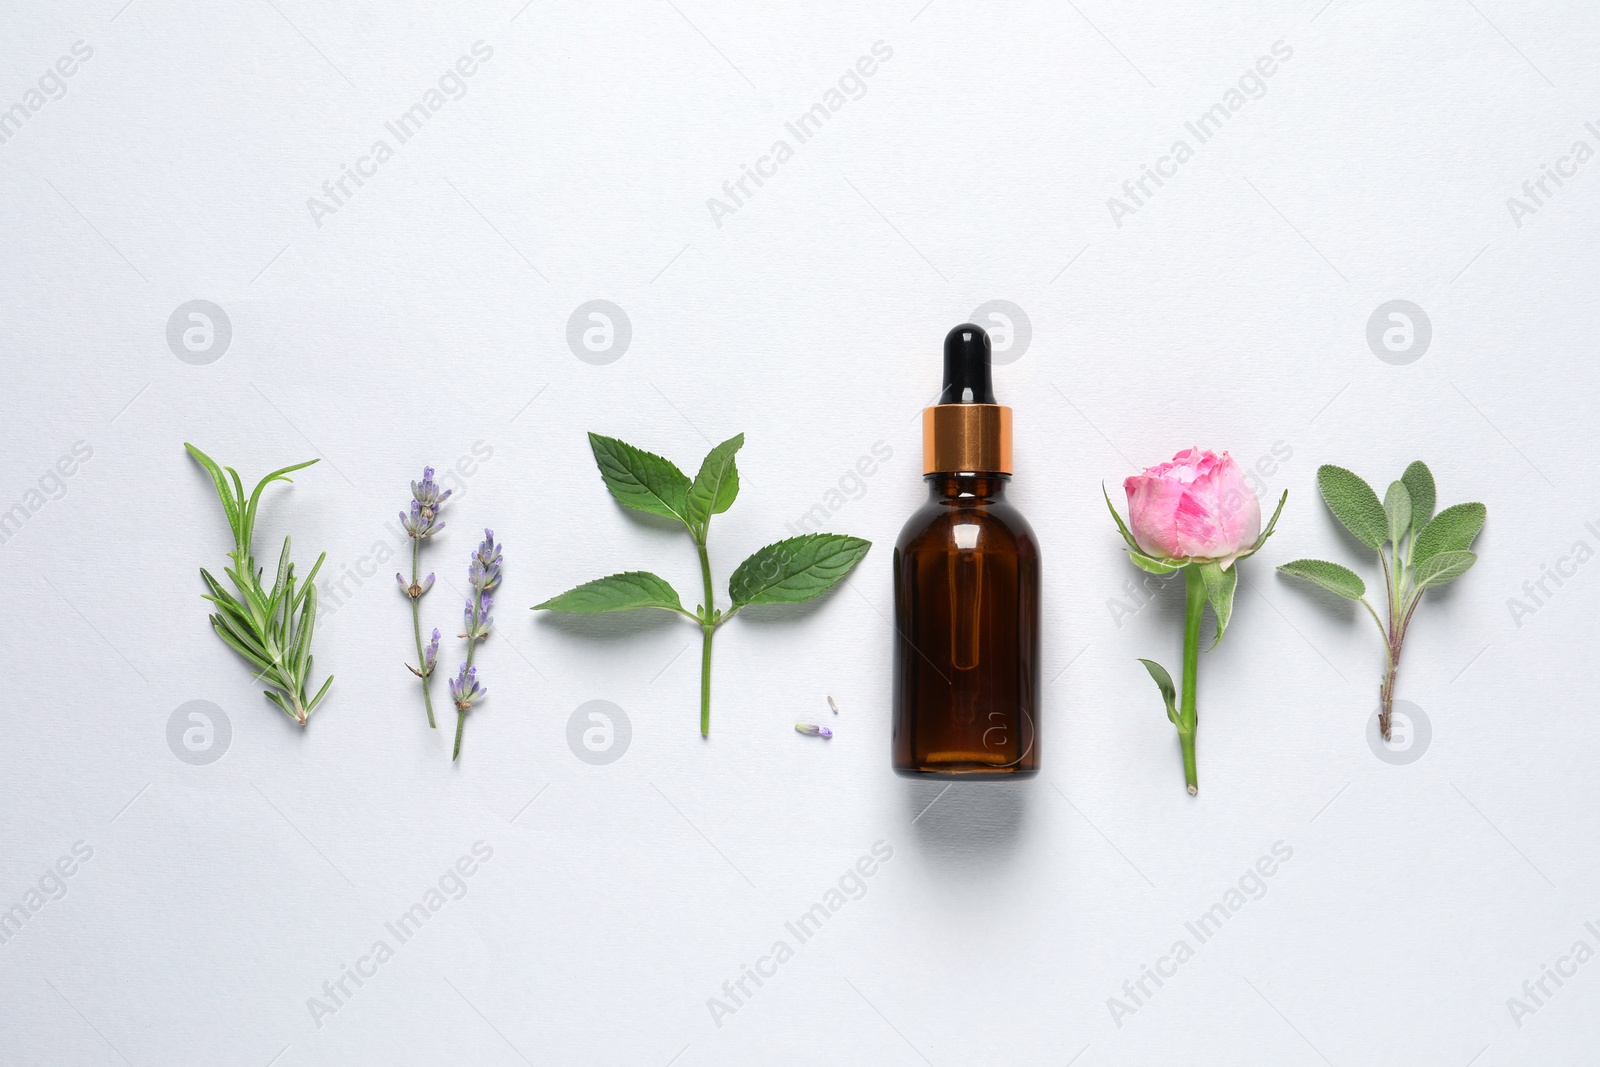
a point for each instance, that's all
(483, 574)
(421, 523)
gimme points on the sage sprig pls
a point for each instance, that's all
(272, 628)
(786, 572)
(1417, 549)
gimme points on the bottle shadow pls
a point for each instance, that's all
(967, 825)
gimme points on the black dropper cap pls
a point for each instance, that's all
(966, 366)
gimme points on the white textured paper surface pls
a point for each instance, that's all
(422, 316)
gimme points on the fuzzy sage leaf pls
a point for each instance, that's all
(1418, 480)
(1452, 530)
(1397, 509)
(1341, 581)
(1443, 567)
(1354, 504)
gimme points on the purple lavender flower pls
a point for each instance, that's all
(484, 571)
(420, 523)
(465, 690)
(477, 618)
(426, 494)
(483, 574)
(414, 589)
(812, 731)
(430, 654)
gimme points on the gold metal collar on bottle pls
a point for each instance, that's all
(966, 437)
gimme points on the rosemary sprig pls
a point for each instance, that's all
(272, 628)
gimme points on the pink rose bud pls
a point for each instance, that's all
(1197, 507)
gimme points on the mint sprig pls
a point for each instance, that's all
(272, 628)
(1417, 549)
(787, 572)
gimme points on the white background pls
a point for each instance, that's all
(430, 313)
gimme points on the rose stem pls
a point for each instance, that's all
(1194, 606)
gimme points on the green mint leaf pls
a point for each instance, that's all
(1169, 692)
(1418, 481)
(1354, 503)
(796, 569)
(616, 592)
(715, 487)
(230, 505)
(1335, 579)
(1397, 508)
(1220, 586)
(1452, 530)
(641, 480)
(1443, 567)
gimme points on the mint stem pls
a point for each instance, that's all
(708, 626)
(705, 682)
(1194, 606)
(416, 628)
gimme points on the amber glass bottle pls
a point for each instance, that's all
(966, 593)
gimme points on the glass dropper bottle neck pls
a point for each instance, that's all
(959, 485)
